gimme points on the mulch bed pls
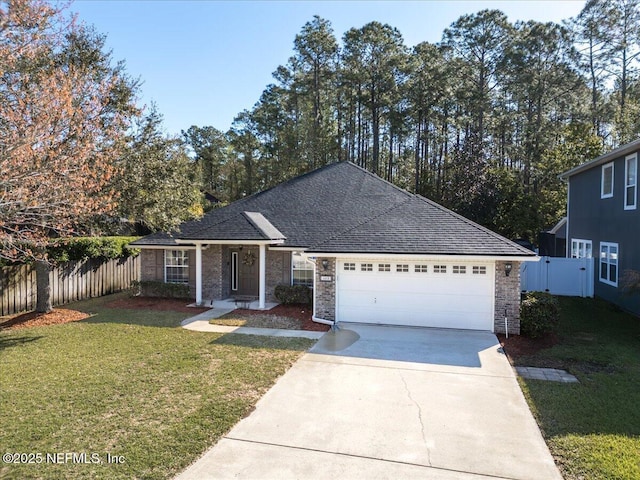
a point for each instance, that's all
(34, 319)
(517, 346)
(302, 313)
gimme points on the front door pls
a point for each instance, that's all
(244, 271)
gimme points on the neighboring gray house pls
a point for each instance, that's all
(372, 252)
(603, 221)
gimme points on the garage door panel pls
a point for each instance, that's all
(402, 300)
(431, 299)
(412, 284)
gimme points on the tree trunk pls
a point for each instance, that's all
(43, 304)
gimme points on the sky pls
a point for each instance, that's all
(203, 62)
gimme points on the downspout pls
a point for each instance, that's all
(506, 323)
(313, 315)
(198, 274)
(566, 231)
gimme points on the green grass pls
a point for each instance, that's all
(592, 428)
(128, 383)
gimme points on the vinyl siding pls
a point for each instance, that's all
(605, 220)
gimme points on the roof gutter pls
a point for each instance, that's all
(229, 242)
(418, 256)
(607, 157)
(172, 246)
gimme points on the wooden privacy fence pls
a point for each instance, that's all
(70, 281)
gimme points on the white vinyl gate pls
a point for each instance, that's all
(572, 277)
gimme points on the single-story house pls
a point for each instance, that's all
(603, 222)
(371, 251)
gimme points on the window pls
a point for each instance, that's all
(350, 267)
(176, 266)
(384, 267)
(301, 271)
(580, 248)
(606, 189)
(366, 267)
(439, 269)
(234, 271)
(609, 263)
(459, 269)
(630, 182)
(402, 268)
(479, 270)
(421, 269)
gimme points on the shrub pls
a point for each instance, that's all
(82, 248)
(294, 294)
(539, 314)
(150, 288)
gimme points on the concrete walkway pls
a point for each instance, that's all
(200, 323)
(550, 374)
(408, 403)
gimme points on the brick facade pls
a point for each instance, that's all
(278, 272)
(152, 268)
(507, 296)
(216, 272)
(152, 265)
(212, 276)
(325, 294)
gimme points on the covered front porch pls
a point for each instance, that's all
(233, 303)
(237, 274)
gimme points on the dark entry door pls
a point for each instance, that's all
(244, 271)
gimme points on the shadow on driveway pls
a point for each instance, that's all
(438, 346)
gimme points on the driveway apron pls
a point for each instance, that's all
(396, 403)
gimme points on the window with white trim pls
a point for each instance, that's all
(384, 267)
(479, 270)
(439, 269)
(631, 182)
(421, 269)
(459, 269)
(176, 266)
(301, 271)
(351, 267)
(402, 268)
(609, 263)
(366, 267)
(581, 248)
(234, 271)
(606, 187)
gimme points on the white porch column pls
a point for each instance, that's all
(198, 273)
(263, 276)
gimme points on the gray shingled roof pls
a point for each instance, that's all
(420, 226)
(343, 208)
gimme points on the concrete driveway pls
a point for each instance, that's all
(397, 403)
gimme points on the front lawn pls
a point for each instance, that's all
(128, 386)
(592, 428)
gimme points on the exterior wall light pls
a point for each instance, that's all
(325, 263)
(507, 269)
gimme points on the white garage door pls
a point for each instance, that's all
(431, 294)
